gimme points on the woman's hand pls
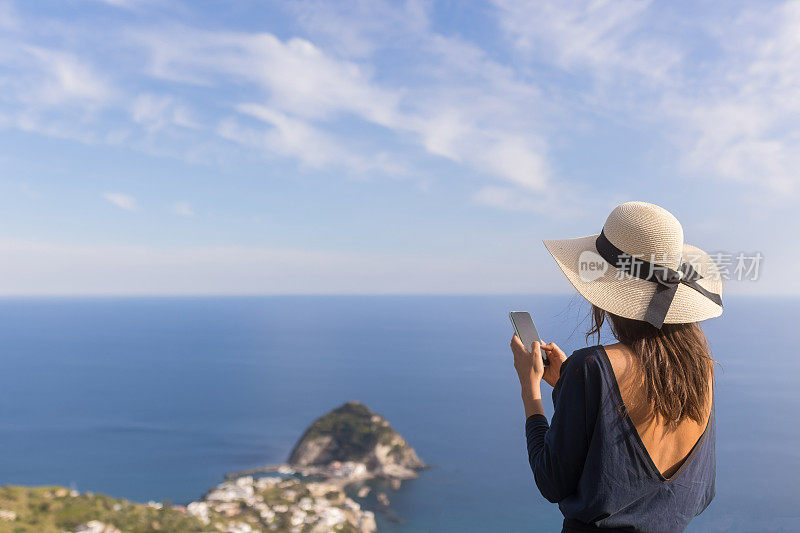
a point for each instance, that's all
(555, 358)
(530, 369)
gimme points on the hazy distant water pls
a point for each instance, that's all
(159, 398)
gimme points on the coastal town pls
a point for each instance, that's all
(246, 505)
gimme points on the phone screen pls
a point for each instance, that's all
(526, 331)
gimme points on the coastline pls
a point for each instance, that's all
(341, 475)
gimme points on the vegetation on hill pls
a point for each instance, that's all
(242, 505)
(354, 430)
(56, 509)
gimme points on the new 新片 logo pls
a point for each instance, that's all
(591, 266)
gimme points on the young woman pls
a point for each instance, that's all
(630, 446)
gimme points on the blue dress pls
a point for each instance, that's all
(592, 462)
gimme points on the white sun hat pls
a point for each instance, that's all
(638, 267)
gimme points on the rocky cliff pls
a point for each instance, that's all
(353, 434)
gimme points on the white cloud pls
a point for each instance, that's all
(50, 91)
(722, 88)
(292, 137)
(359, 29)
(458, 103)
(155, 112)
(467, 108)
(513, 158)
(183, 209)
(127, 4)
(123, 201)
(63, 77)
(296, 76)
(480, 114)
(739, 122)
(9, 19)
(130, 5)
(599, 35)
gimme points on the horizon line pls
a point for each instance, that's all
(90, 296)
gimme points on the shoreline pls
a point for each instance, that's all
(341, 474)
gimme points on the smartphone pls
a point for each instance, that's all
(526, 331)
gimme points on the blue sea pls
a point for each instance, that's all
(159, 398)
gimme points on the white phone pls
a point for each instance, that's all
(526, 331)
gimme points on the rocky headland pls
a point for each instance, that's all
(355, 439)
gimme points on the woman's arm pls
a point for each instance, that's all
(556, 453)
(531, 370)
(532, 398)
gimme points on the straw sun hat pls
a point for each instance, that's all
(638, 267)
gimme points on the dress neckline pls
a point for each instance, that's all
(642, 448)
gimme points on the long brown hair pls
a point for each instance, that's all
(675, 363)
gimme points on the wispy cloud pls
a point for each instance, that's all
(292, 137)
(297, 76)
(603, 38)
(469, 112)
(51, 91)
(8, 15)
(123, 201)
(740, 119)
(183, 209)
(732, 119)
(61, 77)
(155, 112)
(359, 29)
(129, 4)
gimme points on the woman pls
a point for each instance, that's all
(631, 443)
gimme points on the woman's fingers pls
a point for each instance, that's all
(548, 353)
(536, 359)
(552, 348)
(516, 342)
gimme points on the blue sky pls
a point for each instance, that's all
(165, 147)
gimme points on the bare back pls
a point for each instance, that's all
(667, 448)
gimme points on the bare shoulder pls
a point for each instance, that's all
(621, 357)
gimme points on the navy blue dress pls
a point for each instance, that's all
(592, 462)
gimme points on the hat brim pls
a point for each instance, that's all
(628, 296)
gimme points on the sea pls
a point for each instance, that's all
(159, 398)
